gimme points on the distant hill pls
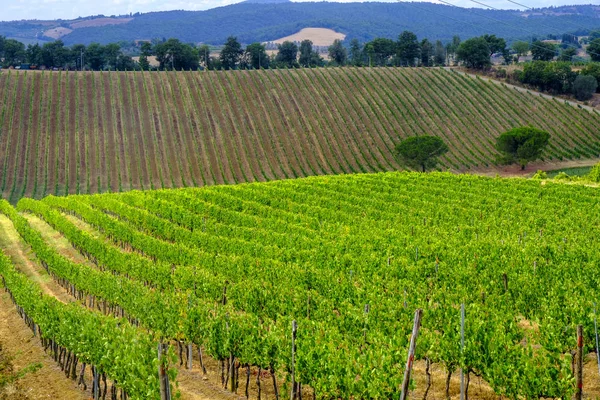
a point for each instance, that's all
(92, 132)
(267, 20)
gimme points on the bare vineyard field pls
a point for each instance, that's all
(71, 132)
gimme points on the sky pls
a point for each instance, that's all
(71, 9)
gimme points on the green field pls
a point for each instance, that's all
(228, 268)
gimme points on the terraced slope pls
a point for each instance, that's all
(94, 132)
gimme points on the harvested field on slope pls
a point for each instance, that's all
(319, 36)
(100, 22)
(74, 132)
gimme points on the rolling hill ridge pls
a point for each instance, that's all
(252, 22)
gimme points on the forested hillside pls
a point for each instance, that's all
(252, 22)
(73, 132)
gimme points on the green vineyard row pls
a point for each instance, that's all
(71, 133)
(227, 268)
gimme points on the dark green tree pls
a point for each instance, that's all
(338, 53)
(13, 52)
(426, 53)
(495, 44)
(356, 53)
(543, 51)
(521, 48)
(592, 69)
(173, 54)
(111, 55)
(94, 55)
(584, 87)
(146, 51)
(126, 63)
(379, 50)
(593, 50)
(75, 54)
(421, 152)
(34, 54)
(522, 145)
(408, 49)
(54, 54)
(287, 56)
(439, 53)
(567, 54)
(307, 58)
(257, 56)
(231, 53)
(204, 56)
(474, 52)
(452, 48)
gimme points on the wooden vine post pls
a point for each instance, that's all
(163, 378)
(462, 349)
(596, 331)
(294, 329)
(579, 393)
(411, 353)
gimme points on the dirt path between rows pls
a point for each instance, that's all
(511, 171)
(191, 383)
(17, 340)
(22, 256)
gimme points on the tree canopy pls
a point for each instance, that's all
(287, 55)
(421, 152)
(231, 53)
(584, 87)
(521, 49)
(522, 145)
(338, 53)
(408, 48)
(593, 49)
(475, 53)
(543, 51)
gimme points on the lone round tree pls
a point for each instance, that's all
(522, 145)
(421, 152)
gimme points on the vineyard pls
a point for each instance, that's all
(224, 270)
(85, 133)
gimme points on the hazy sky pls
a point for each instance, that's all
(70, 9)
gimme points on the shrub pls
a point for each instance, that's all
(562, 176)
(584, 87)
(540, 175)
(594, 174)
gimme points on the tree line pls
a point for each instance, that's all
(407, 50)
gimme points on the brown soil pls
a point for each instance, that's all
(11, 151)
(62, 136)
(531, 168)
(152, 157)
(17, 340)
(21, 255)
(127, 132)
(90, 135)
(112, 160)
(136, 131)
(51, 172)
(34, 136)
(72, 133)
(165, 132)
